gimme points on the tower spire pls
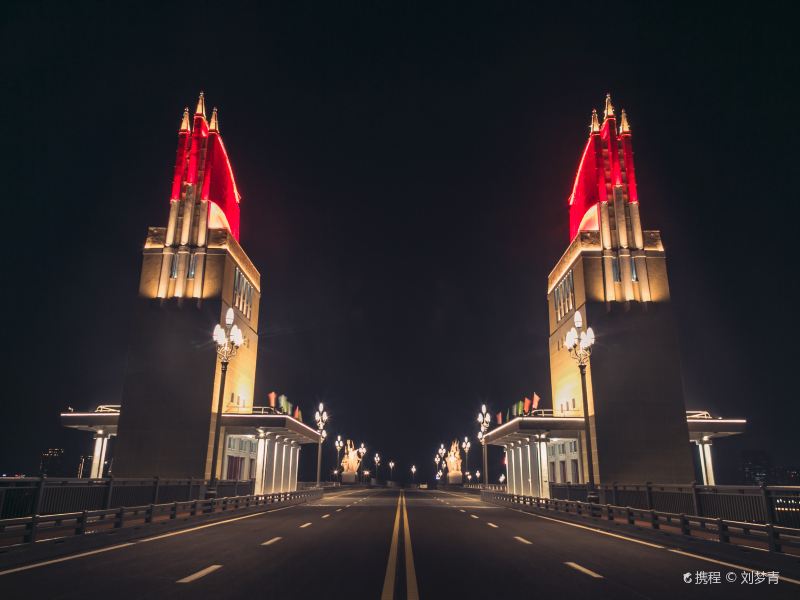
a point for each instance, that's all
(595, 125)
(185, 121)
(609, 110)
(214, 125)
(201, 106)
(624, 126)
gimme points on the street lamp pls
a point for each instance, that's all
(436, 459)
(579, 344)
(377, 461)
(442, 451)
(469, 476)
(361, 452)
(502, 478)
(466, 446)
(413, 472)
(484, 420)
(478, 475)
(339, 444)
(391, 470)
(321, 417)
(228, 340)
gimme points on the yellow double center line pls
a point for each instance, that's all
(412, 593)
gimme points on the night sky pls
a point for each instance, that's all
(405, 173)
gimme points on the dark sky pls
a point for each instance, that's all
(404, 173)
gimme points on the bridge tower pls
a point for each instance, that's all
(615, 274)
(193, 270)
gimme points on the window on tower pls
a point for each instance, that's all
(634, 275)
(242, 293)
(192, 266)
(564, 296)
(615, 269)
(173, 267)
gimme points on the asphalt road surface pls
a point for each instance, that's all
(382, 544)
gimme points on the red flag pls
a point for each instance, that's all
(526, 405)
(271, 397)
(500, 418)
(297, 413)
(535, 400)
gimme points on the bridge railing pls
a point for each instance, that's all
(307, 485)
(779, 505)
(24, 496)
(771, 537)
(27, 530)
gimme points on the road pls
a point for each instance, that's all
(383, 543)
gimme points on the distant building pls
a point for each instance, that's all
(52, 462)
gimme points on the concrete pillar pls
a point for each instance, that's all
(99, 455)
(532, 487)
(284, 467)
(544, 473)
(701, 453)
(275, 459)
(511, 485)
(293, 478)
(521, 467)
(709, 474)
(261, 451)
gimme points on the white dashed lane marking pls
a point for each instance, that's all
(588, 572)
(522, 540)
(272, 541)
(199, 574)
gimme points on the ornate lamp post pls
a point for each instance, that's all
(321, 417)
(484, 420)
(362, 450)
(391, 470)
(413, 472)
(436, 459)
(478, 475)
(228, 340)
(377, 460)
(466, 446)
(579, 344)
(339, 444)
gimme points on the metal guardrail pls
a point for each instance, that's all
(497, 487)
(778, 505)
(307, 485)
(27, 530)
(25, 496)
(775, 538)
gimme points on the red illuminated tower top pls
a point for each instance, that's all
(203, 170)
(606, 164)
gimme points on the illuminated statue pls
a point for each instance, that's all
(351, 459)
(454, 459)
